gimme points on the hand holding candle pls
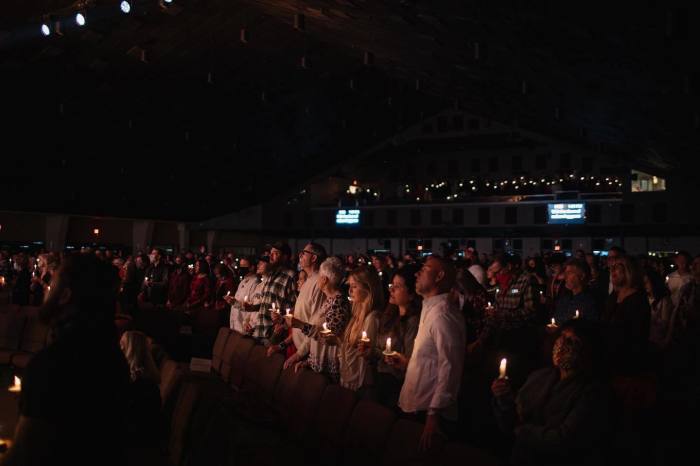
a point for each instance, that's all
(364, 337)
(387, 349)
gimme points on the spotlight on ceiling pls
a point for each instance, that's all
(125, 7)
(81, 18)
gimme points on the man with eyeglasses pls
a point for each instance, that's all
(308, 304)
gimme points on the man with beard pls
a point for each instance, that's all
(73, 396)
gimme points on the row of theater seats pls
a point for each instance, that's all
(249, 410)
(22, 334)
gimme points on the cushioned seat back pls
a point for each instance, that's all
(269, 375)
(253, 367)
(35, 331)
(307, 398)
(337, 404)
(10, 327)
(367, 432)
(460, 453)
(227, 356)
(285, 391)
(181, 420)
(170, 376)
(239, 358)
(218, 350)
(403, 446)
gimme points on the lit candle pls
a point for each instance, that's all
(577, 315)
(364, 337)
(17, 387)
(273, 307)
(289, 312)
(245, 299)
(553, 324)
(388, 345)
(502, 369)
(325, 330)
(228, 293)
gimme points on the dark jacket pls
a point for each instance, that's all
(157, 288)
(562, 421)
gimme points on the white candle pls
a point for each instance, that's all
(388, 345)
(228, 293)
(502, 369)
(17, 387)
(553, 324)
(489, 305)
(245, 299)
(273, 307)
(577, 315)
(289, 312)
(364, 336)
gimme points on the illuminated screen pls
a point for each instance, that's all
(566, 213)
(347, 217)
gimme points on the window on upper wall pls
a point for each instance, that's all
(436, 216)
(627, 213)
(415, 217)
(484, 215)
(511, 215)
(458, 216)
(594, 214)
(644, 182)
(442, 124)
(458, 123)
(659, 213)
(540, 214)
(391, 217)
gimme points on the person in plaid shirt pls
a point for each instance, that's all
(516, 305)
(278, 288)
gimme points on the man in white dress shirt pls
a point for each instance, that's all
(434, 370)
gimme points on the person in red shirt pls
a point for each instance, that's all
(200, 288)
(225, 285)
(179, 284)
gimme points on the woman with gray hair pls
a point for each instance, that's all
(335, 313)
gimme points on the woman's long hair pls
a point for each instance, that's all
(138, 354)
(391, 319)
(373, 299)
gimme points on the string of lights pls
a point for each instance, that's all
(460, 189)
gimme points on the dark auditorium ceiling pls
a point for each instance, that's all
(210, 124)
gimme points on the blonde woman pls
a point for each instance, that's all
(367, 299)
(144, 416)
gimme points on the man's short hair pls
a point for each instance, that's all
(582, 265)
(282, 247)
(319, 251)
(450, 278)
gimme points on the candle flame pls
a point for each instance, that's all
(502, 369)
(325, 327)
(364, 335)
(554, 322)
(388, 345)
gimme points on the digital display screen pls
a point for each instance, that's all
(347, 217)
(574, 213)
